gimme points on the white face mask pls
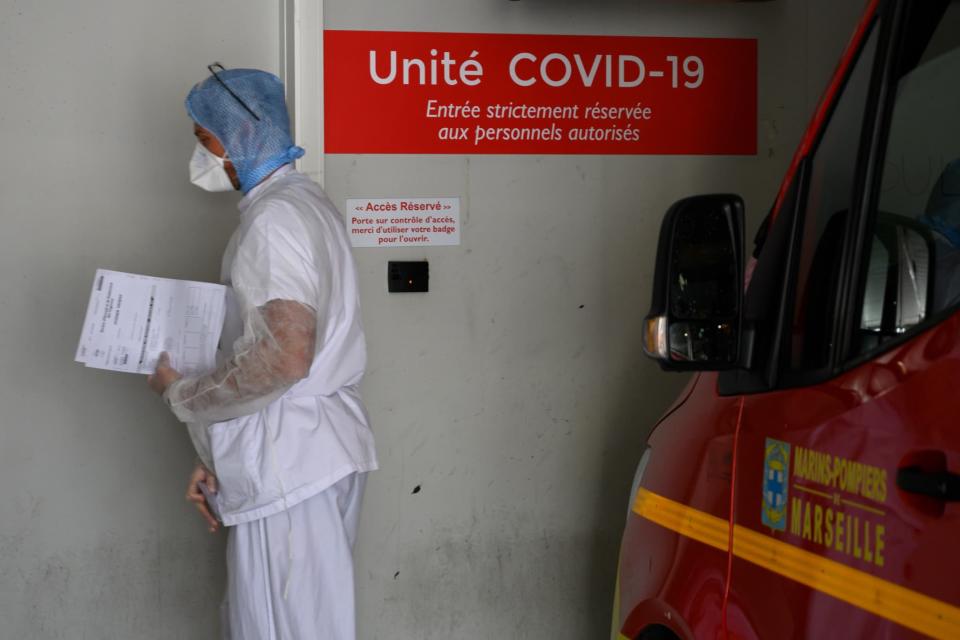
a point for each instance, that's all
(207, 172)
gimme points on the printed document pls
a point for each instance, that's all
(131, 319)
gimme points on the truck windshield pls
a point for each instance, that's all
(824, 221)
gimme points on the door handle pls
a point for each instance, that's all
(941, 485)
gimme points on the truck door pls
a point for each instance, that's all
(848, 471)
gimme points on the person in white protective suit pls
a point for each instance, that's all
(281, 432)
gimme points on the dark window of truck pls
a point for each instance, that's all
(823, 227)
(911, 275)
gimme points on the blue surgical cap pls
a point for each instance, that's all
(255, 147)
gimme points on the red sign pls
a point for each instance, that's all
(403, 92)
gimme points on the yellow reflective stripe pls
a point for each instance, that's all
(690, 522)
(858, 588)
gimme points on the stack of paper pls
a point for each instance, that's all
(131, 319)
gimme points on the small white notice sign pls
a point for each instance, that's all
(403, 222)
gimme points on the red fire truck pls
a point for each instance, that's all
(805, 483)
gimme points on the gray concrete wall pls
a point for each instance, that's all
(96, 541)
(518, 413)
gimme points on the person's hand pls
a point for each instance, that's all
(164, 376)
(194, 495)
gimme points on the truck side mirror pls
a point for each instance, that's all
(695, 315)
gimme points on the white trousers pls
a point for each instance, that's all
(290, 575)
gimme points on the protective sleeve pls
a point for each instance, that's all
(275, 352)
(281, 287)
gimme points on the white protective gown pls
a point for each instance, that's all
(286, 448)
